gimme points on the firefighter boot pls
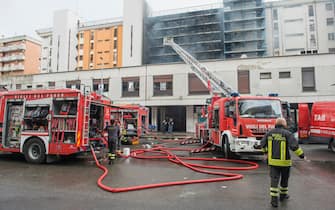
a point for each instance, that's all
(284, 197)
(274, 201)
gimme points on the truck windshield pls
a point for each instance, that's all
(259, 108)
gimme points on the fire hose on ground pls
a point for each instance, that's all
(161, 152)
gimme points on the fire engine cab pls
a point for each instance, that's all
(38, 123)
(234, 123)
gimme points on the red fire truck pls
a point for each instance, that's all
(133, 118)
(39, 123)
(234, 123)
(317, 125)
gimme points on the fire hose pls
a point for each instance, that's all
(161, 152)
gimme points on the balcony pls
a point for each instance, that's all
(12, 58)
(13, 48)
(12, 68)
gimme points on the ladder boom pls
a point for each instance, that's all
(207, 77)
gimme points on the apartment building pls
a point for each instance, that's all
(197, 29)
(100, 44)
(296, 27)
(244, 28)
(19, 55)
(59, 50)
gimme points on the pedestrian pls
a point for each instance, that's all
(277, 143)
(170, 126)
(113, 138)
(164, 126)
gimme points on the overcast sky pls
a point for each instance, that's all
(18, 17)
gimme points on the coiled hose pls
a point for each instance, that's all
(161, 152)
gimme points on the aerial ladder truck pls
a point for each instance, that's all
(234, 123)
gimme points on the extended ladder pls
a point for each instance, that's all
(214, 84)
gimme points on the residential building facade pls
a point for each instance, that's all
(19, 55)
(300, 27)
(99, 44)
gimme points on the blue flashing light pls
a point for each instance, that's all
(273, 94)
(235, 94)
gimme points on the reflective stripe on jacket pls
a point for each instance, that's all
(277, 143)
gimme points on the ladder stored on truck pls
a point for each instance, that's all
(214, 84)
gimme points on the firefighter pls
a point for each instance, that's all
(277, 143)
(113, 137)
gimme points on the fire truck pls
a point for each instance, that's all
(234, 123)
(41, 123)
(133, 119)
(316, 124)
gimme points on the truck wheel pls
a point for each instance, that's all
(34, 151)
(226, 148)
(332, 145)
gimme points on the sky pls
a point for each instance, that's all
(23, 17)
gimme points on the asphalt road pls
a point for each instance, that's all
(71, 184)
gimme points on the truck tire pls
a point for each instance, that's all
(332, 145)
(226, 148)
(34, 151)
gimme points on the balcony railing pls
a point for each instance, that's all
(12, 58)
(12, 68)
(13, 48)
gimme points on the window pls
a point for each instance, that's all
(313, 41)
(195, 86)
(163, 85)
(243, 81)
(80, 57)
(115, 57)
(131, 87)
(29, 86)
(308, 79)
(115, 44)
(276, 42)
(265, 75)
(310, 11)
(74, 84)
(92, 35)
(331, 50)
(284, 74)
(331, 36)
(101, 83)
(275, 14)
(18, 86)
(275, 27)
(115, 32)
(312, 27)
(91, 58)
(329, 6)
(330, 21)
(39, 86)
(92, 46)
(81, 46)
(81, 35)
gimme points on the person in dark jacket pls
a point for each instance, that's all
(113, 138)
(277, 143)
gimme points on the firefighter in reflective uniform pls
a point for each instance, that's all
(277, 143)
(113, 137)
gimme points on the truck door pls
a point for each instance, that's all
(215, 134)
(303, 121)
(12, 124)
